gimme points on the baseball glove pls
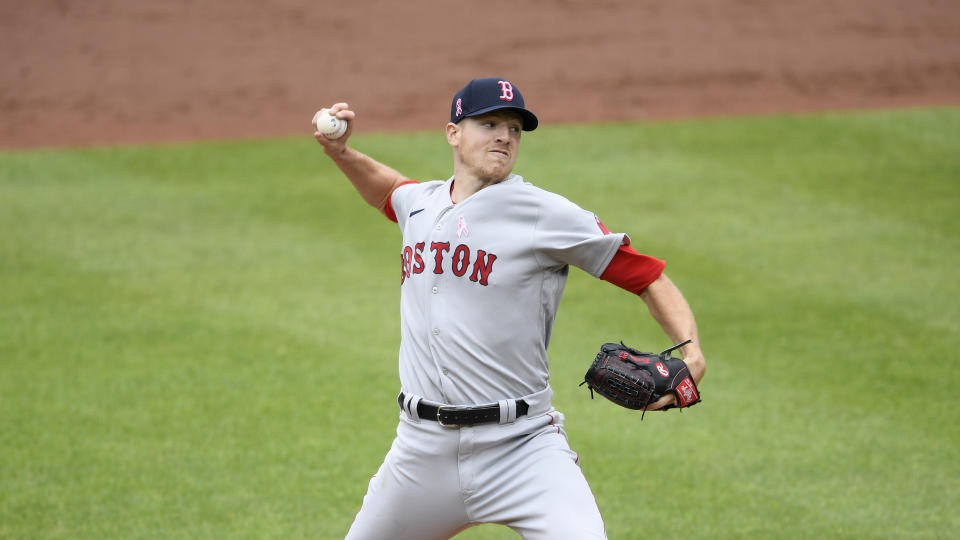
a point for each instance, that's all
(635, 379)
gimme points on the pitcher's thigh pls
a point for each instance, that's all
(538, 489)
(564, 507)
(413, 497)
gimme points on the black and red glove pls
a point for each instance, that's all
(635, 379)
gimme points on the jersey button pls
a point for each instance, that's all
(436, 331)
(435, 290)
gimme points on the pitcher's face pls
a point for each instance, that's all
(487, 145)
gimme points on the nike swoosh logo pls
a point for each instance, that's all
(415, 212)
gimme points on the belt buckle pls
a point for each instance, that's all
(447, 408)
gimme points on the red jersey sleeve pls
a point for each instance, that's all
(632, 271)
(388, 209)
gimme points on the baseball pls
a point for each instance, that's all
(331, 126)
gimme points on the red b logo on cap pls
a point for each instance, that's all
(506, 90)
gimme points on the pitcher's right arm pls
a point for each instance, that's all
(373, 180)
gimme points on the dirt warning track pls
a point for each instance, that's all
(111, 71)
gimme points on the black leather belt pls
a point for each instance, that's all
(456, 416)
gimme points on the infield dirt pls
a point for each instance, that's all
(114, 71)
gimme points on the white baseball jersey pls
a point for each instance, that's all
(481, 284)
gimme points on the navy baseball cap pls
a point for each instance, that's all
(481, 96)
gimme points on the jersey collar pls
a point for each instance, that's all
(512, 179)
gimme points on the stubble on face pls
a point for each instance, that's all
(489, 144)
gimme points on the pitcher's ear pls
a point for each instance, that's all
(453, 134)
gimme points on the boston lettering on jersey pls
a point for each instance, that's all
(459, 259)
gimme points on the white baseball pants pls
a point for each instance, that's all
(437, 481)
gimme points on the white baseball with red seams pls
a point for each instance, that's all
(330, 126)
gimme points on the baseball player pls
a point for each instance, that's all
(484, 260)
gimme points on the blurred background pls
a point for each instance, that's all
(199, 318)
(112, 71)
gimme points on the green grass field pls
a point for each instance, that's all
(199, 340)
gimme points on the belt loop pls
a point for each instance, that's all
(508, 410)
(410, 407)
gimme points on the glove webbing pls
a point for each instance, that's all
(664, 355)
